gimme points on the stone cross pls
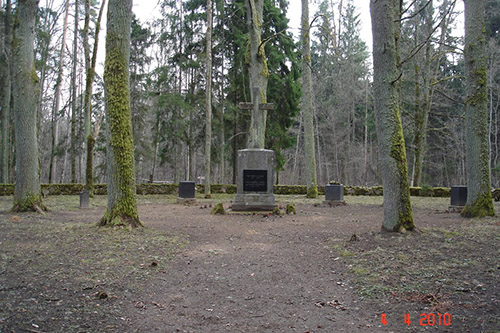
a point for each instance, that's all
(258, 124)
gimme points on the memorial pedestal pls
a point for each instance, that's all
(255, 180)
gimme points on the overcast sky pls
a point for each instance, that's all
(148, 9)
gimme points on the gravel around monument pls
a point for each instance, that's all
(325, 269)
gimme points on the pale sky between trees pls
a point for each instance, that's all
(145, 10)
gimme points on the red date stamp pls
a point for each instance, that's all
(426, 319)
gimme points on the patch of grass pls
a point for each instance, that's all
(372, 291)
(342, 251)
(47, 263)
(422, 262)
(362, 271)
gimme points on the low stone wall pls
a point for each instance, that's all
(142, 189)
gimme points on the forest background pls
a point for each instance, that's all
(167, 71)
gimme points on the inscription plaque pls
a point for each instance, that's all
(255, 180)
(186, 189)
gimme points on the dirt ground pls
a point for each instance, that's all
(325, 269)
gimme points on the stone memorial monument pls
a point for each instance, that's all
(84, 199)
(458, 198)
(186, 192)
(334, 195)
(255, 177)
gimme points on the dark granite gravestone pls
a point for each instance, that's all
(458, 196)
(334, 194)
(84, 199)
(186, 192)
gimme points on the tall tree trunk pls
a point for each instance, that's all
(258, 72)
(235, 144)
(222, 138)
(222, 134)
(307, 106)
(90, 65)
(386, 79)
(156, 142)
(74, 99)
(5, 90)
(365, 144)
(57, 99)
(44, 49)
(208, 102)
(122, 202)
(479, 199)
(423, 106)
(27, 194)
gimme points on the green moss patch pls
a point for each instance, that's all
(218, 209)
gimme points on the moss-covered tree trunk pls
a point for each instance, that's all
(208, 102)
(27, 195)
(258, 72)
(386, 80)
(122, 202)
(479, 199)
(307, 106)
(5, 90)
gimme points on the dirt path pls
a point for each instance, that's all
(254, 274)
(250, 273)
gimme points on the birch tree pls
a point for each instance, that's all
(387, 85)
(479, 199)
(122, 201)
(27, 195)
(307, 107)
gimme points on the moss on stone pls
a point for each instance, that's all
(290, 208)
(218, 209)
(277, 211)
